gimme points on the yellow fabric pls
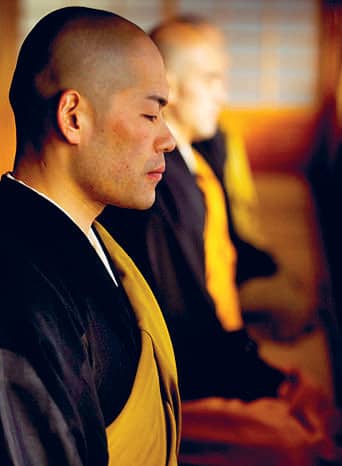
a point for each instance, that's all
(219, 252)
(147, 431)
(240, 186)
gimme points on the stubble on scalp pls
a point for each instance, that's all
(93, 57)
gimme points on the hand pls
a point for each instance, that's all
(230, 432)
(311, 406)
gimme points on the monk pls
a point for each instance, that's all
(87, 371)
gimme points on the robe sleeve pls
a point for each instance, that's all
(49, 412)
(32, 428)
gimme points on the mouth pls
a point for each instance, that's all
(157, 173)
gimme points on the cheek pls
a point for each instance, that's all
(195, 102)
(129, 134)
(128, 143)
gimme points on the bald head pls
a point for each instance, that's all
(76, 48)
(178, 38)
(195, 58)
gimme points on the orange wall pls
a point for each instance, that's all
(8, 50)
(277, 139)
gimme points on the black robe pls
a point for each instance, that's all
(69, 340)
(166, 242)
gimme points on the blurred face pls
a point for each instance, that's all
(124, 139)
(199, 92)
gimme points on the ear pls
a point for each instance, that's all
(68, 118)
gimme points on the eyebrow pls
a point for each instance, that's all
(156, 98)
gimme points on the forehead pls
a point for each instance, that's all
(149, 86)
(131, 77)
(204, 57)
(148, 71)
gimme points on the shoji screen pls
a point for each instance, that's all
(273, 47)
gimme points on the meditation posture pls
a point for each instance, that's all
(87, 371)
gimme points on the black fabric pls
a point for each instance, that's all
(167, 244)
(69, 341)
(325, 176)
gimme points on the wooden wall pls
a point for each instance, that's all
(8, 50)
(277, 139)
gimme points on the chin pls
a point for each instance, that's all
(205, 134)
(145, 204)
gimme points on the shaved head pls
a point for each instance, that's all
(87, 94)
(179, 37)
(76, 48)
(196, 61)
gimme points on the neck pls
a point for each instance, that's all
(52, 181)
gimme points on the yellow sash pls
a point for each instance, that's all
(219, 251)
(146, 432)
(240, 185)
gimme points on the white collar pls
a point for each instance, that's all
(91, 236)
(185, 150)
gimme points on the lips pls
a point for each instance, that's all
(159, 170)
(157, 173)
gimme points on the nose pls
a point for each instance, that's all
(167, 142)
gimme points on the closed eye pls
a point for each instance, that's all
(150, 117)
